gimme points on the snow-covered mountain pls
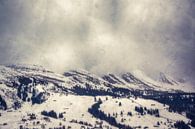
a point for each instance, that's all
(34, 97)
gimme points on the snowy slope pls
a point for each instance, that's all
(28, 90)
(166, 118)
(73, 108)
(135, 80)
(138, 80)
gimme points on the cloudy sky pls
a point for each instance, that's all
(100, 35)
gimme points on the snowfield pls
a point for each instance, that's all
(73, 108)
(166, 118)
(36, 98)
(76, 107)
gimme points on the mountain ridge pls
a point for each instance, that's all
(35, 92)
(137, 78)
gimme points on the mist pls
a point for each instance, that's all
(111, 36)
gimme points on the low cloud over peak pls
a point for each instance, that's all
(100, 36)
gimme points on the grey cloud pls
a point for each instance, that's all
(100, 36)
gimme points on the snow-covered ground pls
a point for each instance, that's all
(138, 80)
(75, 107)
(58, 94)
(71, 106)
(166, 118)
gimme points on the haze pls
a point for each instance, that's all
(100, 35)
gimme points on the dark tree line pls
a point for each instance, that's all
(90, 91)
(144, 110)
(181, 125)
(94, 110)
(51, 113)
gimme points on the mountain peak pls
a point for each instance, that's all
(166, 79)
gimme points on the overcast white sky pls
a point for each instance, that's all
(100, 35)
